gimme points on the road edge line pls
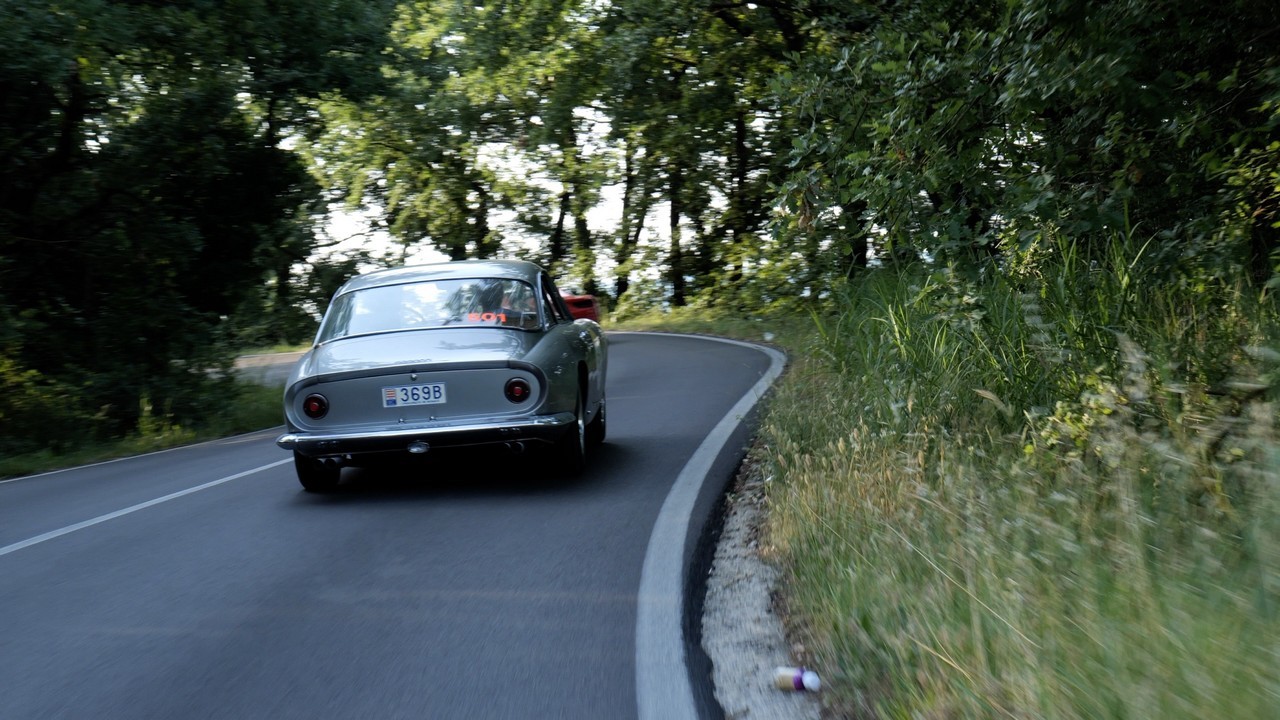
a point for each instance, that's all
(664, 688)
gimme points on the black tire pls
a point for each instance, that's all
(571, 450)
(597, 429)
(316, 476)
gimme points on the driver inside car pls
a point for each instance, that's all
(518, 306)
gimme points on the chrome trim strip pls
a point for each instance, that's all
(289, 441)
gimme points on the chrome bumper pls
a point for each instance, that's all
(544, 428)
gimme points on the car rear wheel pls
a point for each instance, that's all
(596, 430)
(573, 446)
(316, 476)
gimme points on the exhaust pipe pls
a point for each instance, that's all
(516, 448)
(417, 447)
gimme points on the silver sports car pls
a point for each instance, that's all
(455, 354)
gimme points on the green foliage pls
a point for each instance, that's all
(473, 91)
(962, 130)
(525, 114)
(707, 67)
(146, 196)
(49, 414)
(1046, 493)
(248, 407)
(1027, 464)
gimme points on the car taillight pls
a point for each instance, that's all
(518, 390)
(315, 406)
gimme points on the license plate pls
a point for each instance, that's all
(402, 395)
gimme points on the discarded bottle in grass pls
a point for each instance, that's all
(793, 678)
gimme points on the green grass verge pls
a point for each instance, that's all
(1025, 500)
(255, 407)
(1048, 494)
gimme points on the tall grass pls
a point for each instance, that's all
(1051, 493)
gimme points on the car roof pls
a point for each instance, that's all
(502, 269)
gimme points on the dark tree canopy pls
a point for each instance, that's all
(145, 190)
(167, 166)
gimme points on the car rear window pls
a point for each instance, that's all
(487, 302)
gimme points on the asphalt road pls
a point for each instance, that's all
(203, 583)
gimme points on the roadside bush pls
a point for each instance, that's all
(38, 413)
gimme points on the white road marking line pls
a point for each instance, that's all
(663, 688)
(140, 506)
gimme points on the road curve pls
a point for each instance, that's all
(202, 583)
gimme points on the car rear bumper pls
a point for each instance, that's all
(420, 439)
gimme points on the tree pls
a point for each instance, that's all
(482, 117)
(142, 194)
(957, 129)
(688, 91)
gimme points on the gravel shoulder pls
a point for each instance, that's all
(741, 633)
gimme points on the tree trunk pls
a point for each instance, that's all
(622, 251)
(485, 248)
(676, 188)
(851, 218)
(1264, 240)
(557, 244)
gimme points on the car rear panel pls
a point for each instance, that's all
(357, 401)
